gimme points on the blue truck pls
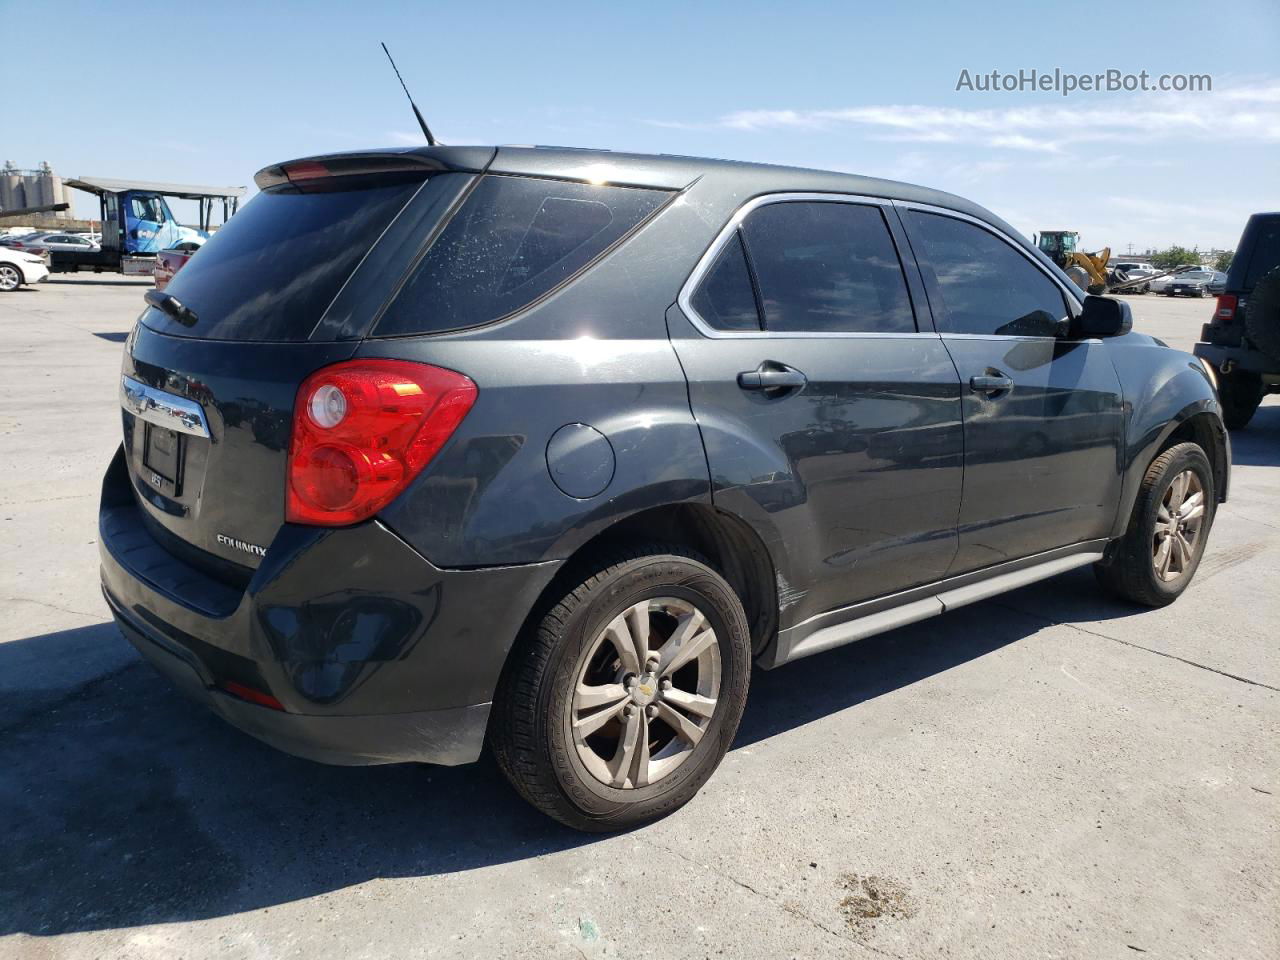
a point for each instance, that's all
(137, 223)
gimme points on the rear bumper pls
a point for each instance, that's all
(1239, 358)
(375, 655)
(448, 737)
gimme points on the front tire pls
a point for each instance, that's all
(1154, 561)
(10, 277)
(625, 697)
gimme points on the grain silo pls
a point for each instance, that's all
(31, 188)
(11, 187)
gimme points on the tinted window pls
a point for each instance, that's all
(272, 270)
(725, 299)
(986, 286)
(827, 268)
(514, 239)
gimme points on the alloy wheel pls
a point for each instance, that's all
(646, 692)
(1178, 524)
(9, 277)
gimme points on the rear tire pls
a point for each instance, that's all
(667, 729)
(1153, 563)
(1240, 394)
(10, 277)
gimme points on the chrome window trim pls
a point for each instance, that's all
(1069, 290)
(685, 298)
(163, 409)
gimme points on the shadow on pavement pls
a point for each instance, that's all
(1258, 444)
(122, 804)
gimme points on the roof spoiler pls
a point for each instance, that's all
(308, 170)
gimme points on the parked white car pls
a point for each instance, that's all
(1135, 270)
(18, 267)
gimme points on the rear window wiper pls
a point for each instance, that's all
(172, 306)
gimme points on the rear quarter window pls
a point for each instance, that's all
(514, 240)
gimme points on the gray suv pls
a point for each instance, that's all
(545, 448)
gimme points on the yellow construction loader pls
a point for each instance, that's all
(1087, 270)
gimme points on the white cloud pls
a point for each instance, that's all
(1017, 141)
(1246, 113)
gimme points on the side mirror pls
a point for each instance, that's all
(1102, 317)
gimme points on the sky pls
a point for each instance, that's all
(210, 93)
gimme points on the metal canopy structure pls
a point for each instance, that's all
(184, 191)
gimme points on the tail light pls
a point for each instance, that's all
(362, 430)
(1226, 307)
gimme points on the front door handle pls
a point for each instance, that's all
(771, 376)
(990, 383)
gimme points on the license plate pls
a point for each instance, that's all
(162, 455)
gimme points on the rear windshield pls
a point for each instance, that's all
(514, 240)
(271, 272)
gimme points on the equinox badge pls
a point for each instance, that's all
(242, 545)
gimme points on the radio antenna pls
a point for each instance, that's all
(426, 131)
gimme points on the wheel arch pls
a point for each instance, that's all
(1199, 422)
(728, 542)
(1206, 430)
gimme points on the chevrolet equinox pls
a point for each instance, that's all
(543, 449)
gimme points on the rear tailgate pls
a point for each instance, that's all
(209, 382)
(221, 488)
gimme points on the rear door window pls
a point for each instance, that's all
(827, 267)
(273, 269)
(514, 240)
(984, 285)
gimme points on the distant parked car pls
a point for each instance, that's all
(1134, 269)
(1193, 283)
(169, 262)
(15, 239)
(1127, 271)
(57, 241)
(1167, 278)
(18, 267)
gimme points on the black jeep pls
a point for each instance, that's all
(1242, 341)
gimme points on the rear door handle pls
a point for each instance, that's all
(989, 383)
(772, 376)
